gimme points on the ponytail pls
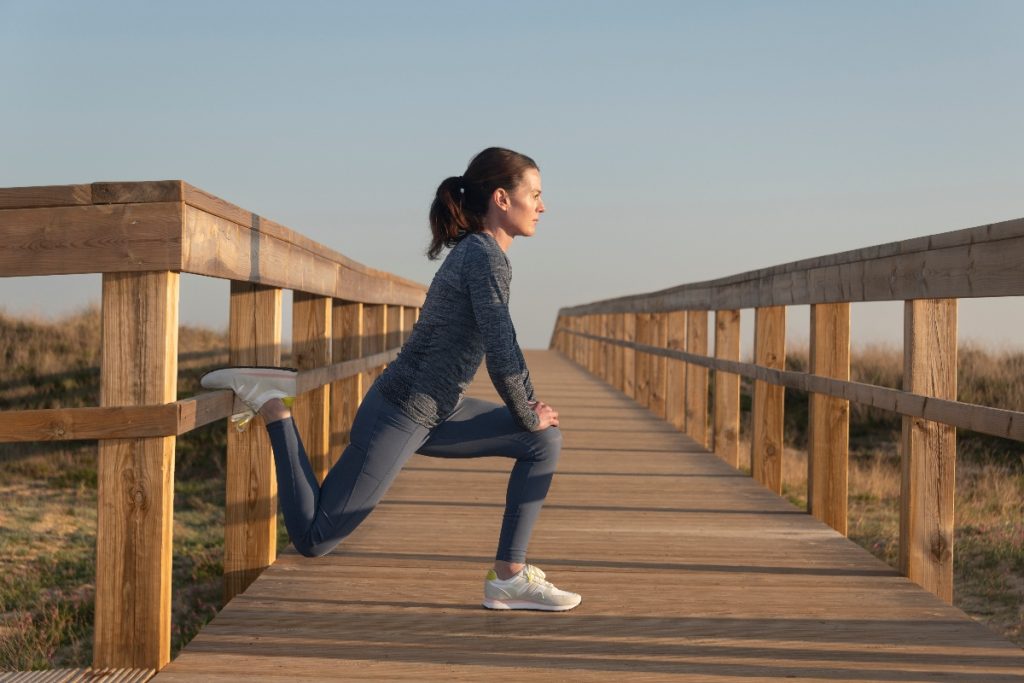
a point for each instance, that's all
(461, 202)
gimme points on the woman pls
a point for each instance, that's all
(417, 405)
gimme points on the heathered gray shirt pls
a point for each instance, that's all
(465, 317)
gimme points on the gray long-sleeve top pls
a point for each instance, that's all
(465, 317)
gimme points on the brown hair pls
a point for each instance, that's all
(461, 202)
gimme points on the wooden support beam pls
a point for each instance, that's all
(929, 448)
(311, 348)
(346, 394)
(727, 388)
(408, 321)
(375, 329)
(675, 371)
(766, 438)
(629, 355)
(250, 515)
(697, 378)
(828, 439)
(659, 372)
(139, 366)
(644, 335)
(396, 321)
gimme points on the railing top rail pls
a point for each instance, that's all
(987, 260)
(171, 225)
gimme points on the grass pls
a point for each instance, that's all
(48, 517)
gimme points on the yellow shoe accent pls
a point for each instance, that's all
(491, 576)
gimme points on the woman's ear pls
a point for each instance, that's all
(501, 198)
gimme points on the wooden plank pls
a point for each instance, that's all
(408, 322)
(79, 676)
(394, 327)
(45, 195)
(311, 348)
(766, 420)
(68, 424)
(250, 516)
(346, 394)
(217, 247)
(138, 192)
(976, 262)
(659, 373)
(771, 593)
(928, 448)
(644, 335)
(697, 378)
(675, 370)
(629, 355)
(727, 388)
(139, 366)
(828, 439)
(90, 239)
(375, 329)
(1007, 424)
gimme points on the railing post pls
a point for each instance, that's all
(607, 349)
(617, 351)
(311, 348)
(767, 420)
(250, 514)
(697, 378)
(659, 374)
(395, 324)
(829, 430)
(675, 383)
(629, 355)
(408, 321)
(375, 329)
(644, 335)
(928, 448)
(727, 388)
(347, 393)
(139, 366)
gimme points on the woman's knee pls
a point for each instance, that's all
(548, 442)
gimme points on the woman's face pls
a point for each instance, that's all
(524, 206)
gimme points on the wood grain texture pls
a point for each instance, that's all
(828, 439)
(659, 372)
(45, 195)
(697, 378)
(346, 394)
(250, 515)
(375, 330)
(629, 355)
(644, 366)
(768, 410)
(976, 262)
(396, 320)
(408, 322)
(636, 512)
(929, 448)
(726, 433)
(138, 366)
(675, 383)
(311, 348)
(90, 239)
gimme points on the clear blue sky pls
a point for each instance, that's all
(678, 141)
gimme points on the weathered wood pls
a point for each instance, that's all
(346, 394)
(375, 329)
(697, 378)
(250, 514)
(1007, 424)
(90, 239)
(977, 262)
(629, 355)
(929, 448)
(79, 676)
(766, 420)
(828, 439)
(770, 592)
(727, 388)
(408, 322)
(311, 348)
(675, 370)
(139, 366)
(394, 327)
(44, 195)
(659, 373)
(644, 366)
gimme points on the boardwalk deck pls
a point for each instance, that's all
(688, 569)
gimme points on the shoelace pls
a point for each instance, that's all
(532, 577)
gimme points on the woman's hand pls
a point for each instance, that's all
(547, 415)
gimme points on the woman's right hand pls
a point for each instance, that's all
(547, 416)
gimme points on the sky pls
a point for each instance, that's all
(677, 141)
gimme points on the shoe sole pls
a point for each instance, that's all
(526, 604)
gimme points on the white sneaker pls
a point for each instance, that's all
(527, 590)
(253, 386)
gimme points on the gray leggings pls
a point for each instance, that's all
(383, 439)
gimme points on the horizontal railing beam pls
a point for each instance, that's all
(1008, 424)
(986, 261)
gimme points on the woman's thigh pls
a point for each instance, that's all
(479, 428)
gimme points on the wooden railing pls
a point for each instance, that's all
(654, 347)
(347, 322)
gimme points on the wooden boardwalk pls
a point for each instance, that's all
(689, 570)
